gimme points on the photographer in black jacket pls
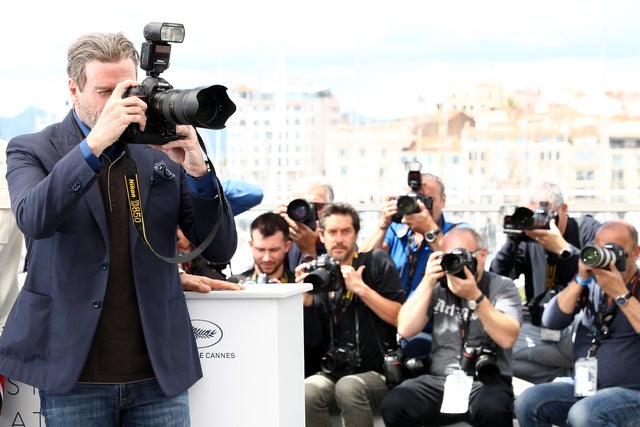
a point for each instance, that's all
(355, 313)
(548, 259)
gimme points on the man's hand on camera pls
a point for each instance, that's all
(186, 151)
(551, 239)
(116, 115)
(389, 209)
(433, 272)
(303, 236)
(420, 222)
(466, 288)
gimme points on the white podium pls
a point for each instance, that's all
(252, 354)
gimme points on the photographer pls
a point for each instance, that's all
(100, 314)
(548, 259)
(411, 238)
(476, 320)
(306, 237)
(357, 321)
(605, 388)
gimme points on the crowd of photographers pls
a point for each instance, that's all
(415, 325)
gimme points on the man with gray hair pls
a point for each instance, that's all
(548, 259)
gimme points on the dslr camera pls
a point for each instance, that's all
(340, 361)
(324, 274)
(525, 219)
(453, 262)
(302, 211)
(397, 368)
(480, 361)
(205, 107)
(601, 257)
(408, 204)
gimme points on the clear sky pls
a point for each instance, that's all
(378, 57)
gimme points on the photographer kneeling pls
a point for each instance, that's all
(476, 318)
(353, 310)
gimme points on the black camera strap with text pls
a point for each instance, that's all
(130, 172)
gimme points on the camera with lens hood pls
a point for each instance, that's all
(397, 368)
(324, 274)
(302, 211)
(408, 204)
(205, 107)
(601, 257)
(525, 219)
(453, 262)
(340, 361)
(480, 361)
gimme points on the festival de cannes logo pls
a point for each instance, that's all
(207, 333)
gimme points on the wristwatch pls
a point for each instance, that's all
(430, 236)
(622, 300)
(473, 304)
(565, 254)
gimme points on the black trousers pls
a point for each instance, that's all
(417, 401)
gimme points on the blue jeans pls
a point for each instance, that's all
(140, 403)
(554, 403)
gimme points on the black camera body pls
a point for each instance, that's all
(396, 368)
(454, 261)
(601, 257)
(324, 274)
(525, 219)
(206, 107)
(480, 361)
(302, 211)
(408, 204)
(340, 361)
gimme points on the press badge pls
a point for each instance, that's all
(457, 389)
(586, 378)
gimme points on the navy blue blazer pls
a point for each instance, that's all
(56, 199)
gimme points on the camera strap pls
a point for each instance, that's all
(604, 318)
(130, 172)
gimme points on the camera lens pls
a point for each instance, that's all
(486, 368)
(522, 219)
(596, 257)
(207, 107)
(320, 279)
(298, 210)
(407, 205)
(452, 263)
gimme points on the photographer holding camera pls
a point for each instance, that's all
(411, 235)
(605, 387)
(306, 208)
(544, 247)
(476, 318)
(101, 315)
(355, 310)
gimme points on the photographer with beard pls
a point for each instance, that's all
(476, 318)
(548, 259)
(355, 314)
(605, 387)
